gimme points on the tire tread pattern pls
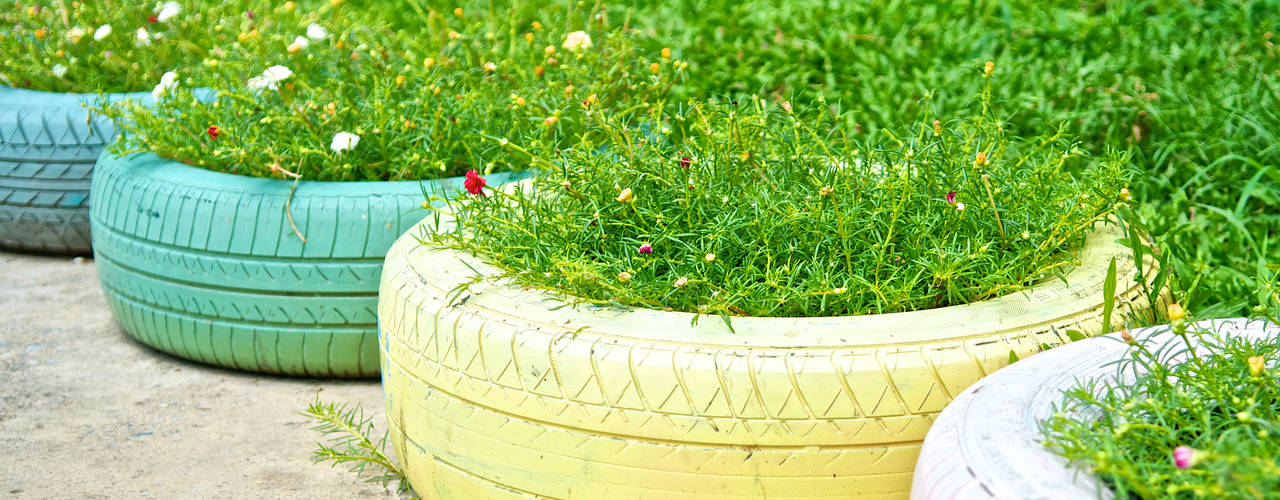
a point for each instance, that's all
(48, 146)
(856, 414)
(206, 266)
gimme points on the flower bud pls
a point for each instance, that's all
(1185, 457)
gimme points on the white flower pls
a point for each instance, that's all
(317, 32)
(576, 41)
(168, 84)
(102, 32)
(144, 38)
(343, 141)
(270, 79)
(299, 43)
(257, 84)
(76, 33)
(167, 11)
(59, 70)
(277, 73)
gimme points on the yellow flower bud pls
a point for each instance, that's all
(624, 276)
(1256, 365)
(989, 68)
(1175, 312)
(666, 53)
(981, 159)
(626, 196)
(655, 68)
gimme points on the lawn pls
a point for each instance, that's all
(1188, 88)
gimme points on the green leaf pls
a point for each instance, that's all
(1075, 335)
(1013, 357)
(1108, 297)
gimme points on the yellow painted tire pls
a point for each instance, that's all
(499, 392)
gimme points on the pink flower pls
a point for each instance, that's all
(951, 198)
(646, 248)
(474, 183)
(213, 131)
(1184, 457)
(685, 162)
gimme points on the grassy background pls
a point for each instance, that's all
(1188, 88)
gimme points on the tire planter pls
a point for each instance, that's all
(49, 143)
(499, 392)
(205, 265)
(988, 444)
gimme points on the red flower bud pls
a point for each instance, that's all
(474, 183)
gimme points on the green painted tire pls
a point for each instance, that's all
(205, 265)
(48, 145)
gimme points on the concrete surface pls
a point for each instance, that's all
(86, 412)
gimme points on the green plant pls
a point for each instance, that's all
(1196, 421)
(1189, 89)
(758, 210)
(363, 103)
(347, 440)
(106, 45)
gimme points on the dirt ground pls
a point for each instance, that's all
(86, 412)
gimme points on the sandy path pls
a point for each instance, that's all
(86, 412)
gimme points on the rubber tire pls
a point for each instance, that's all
(49, 143)
(205, 265)
(988, 443)
(498, 392)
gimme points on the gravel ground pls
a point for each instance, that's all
(87, 412)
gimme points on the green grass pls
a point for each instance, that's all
(1222, 410)
(747, 209)
(66, 46)
(423, 104)
(1188, 89)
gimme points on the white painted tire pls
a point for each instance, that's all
(987, 443)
